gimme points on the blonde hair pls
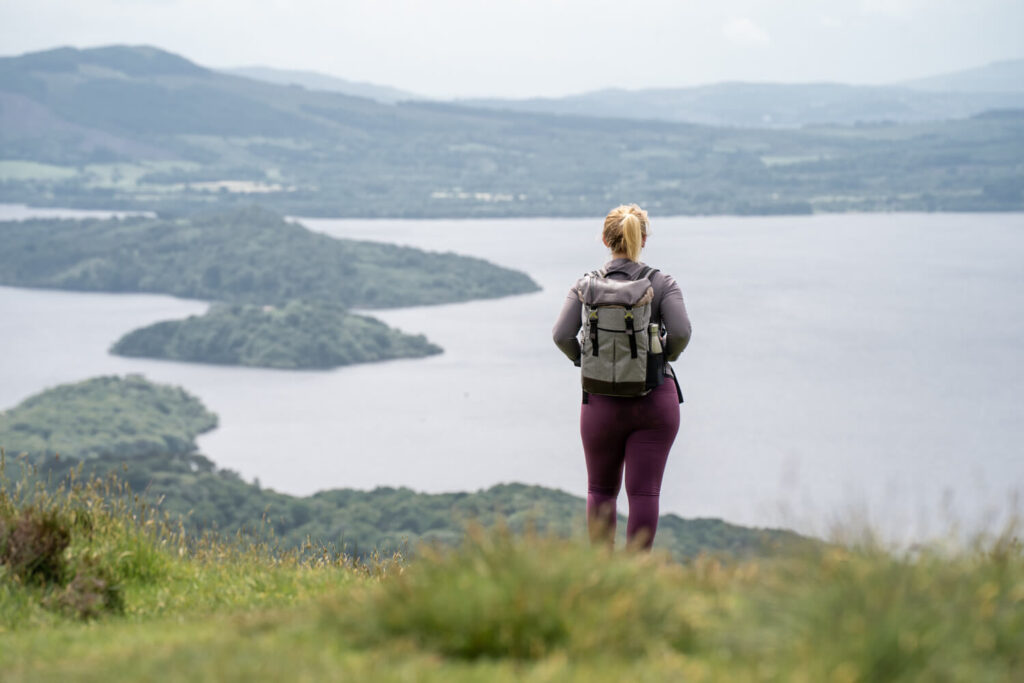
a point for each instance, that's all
(625, 228)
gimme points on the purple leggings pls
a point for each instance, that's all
(635, 434)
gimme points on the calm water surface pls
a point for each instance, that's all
(864, 365)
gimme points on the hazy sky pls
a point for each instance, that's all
(543, 47)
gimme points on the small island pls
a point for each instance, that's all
(298, 335)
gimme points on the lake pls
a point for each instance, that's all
(842, 366)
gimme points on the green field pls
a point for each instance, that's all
(121, 176)
(14, 170)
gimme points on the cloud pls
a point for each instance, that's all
(743, 31)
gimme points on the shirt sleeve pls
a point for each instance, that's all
(568, 326)
(674, 319)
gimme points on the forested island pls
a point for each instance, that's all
(145, 434)
(242, 255)
(121, 417)
(288, 288)
(297, 335)
(124, 127)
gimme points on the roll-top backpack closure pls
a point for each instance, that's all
(602, 291)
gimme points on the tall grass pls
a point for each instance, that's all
(90, 547)
(499, 606)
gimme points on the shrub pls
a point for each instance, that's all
(32, 545)
(71, 549)
(501, 594)
(88, 595)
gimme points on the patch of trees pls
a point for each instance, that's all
(298, 335)
(207, 498)
(119, 417)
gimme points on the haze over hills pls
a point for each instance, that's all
(314, 80)
(949, 96)
(1002, 76)
(767, 105)
(960, 94)
(138, 127)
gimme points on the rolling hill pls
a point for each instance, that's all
(771, 105)
(1005, 76)
(137, 127)
(961, 94)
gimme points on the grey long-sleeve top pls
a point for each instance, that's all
(667, 309)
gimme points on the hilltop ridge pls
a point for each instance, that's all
(131, 60)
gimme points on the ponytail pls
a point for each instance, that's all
(625, 228)
(632, 236)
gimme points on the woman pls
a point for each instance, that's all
(633, 434)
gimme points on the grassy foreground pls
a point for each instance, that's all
(94, 585)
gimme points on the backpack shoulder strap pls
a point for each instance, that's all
(646, 271)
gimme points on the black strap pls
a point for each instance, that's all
(586, 398)
(679, 390)
(645, 272)
(593, 333)
(631, 330)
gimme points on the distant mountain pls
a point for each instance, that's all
(768, 105)
(317, 81)
(139, 128)
(130, 102)
(998, 77)
(112, 60)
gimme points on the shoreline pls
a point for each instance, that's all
(56, 211)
